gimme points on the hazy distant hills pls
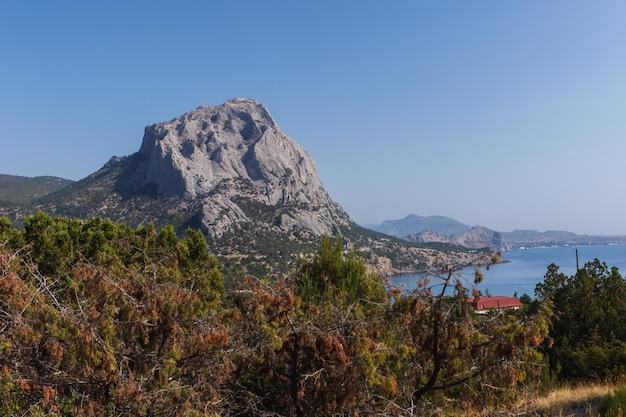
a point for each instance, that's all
(444, 229)
(413, 224)
(441, 229)
(230, 171)
(23, 190)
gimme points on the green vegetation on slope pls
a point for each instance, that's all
(24, 190)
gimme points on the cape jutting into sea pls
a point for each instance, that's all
(527, 267)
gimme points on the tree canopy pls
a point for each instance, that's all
(588, 334)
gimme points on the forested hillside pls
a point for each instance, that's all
(22, 190)
(97, 318)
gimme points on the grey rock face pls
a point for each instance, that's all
(482, 237)
(477, 237)
(233, 152)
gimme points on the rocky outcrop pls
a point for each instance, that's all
(191, 154)
(478, 237)
(234, 155)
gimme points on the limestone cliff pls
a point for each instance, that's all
(477, 237)
(238, 149)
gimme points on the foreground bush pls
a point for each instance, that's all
(122, 321)
(99, 319)
(588, 335)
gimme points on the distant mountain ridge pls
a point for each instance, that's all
(413, 224)
(444, 229)
(441, 229)
(23, 190)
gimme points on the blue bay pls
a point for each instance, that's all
(527, 267)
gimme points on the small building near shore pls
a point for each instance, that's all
(494, 302)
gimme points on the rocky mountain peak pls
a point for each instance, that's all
(238, 149)
(189, 155)
(477, 237)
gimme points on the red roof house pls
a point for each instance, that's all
(498, 302)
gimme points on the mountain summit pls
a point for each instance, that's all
(189, 155)
(237, 148)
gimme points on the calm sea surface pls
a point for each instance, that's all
(527, 267)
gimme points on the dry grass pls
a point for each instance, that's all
(565, 401)
(572, 401)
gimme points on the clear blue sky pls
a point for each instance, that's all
(507, 114)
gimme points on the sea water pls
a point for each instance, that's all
(526, 268)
